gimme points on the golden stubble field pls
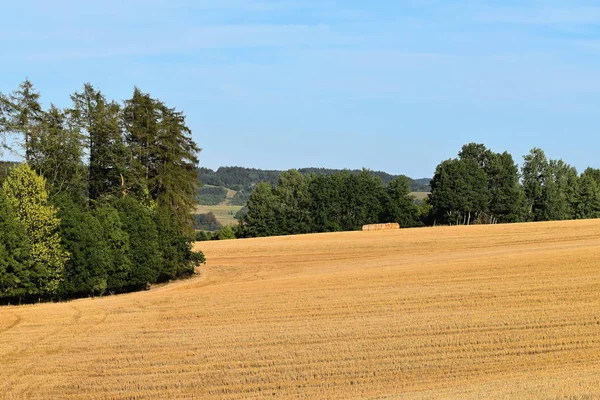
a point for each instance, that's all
(507, 311)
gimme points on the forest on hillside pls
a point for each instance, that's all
(241, 178)
(102, 200)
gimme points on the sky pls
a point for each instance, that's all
(387, 85)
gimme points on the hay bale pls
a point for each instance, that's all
(381, 227)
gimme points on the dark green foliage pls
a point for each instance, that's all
(175, 246)
(123, 219)
(15, 272)
(117, 242)
(478, 187)
(361, 199)
(163, 155)
(207, 222)
(459, 192)
(263, 213)
(203, 236)
(507, 198)
(326, 203)
(399, 205)
(144, 252)
(551, 188)
(293, 203)
(212, 195)
(587, 203)
(324, 192)
(87, 270)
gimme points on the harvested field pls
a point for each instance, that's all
(504, 311)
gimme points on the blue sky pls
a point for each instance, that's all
(387, 85)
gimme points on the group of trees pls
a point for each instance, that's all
(305, 203)
(103, 200)
(486, 187)
(478, 187)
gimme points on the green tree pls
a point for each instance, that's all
(117, 240)
(399, 205)
(173, 182)
(294, 202)
(99, 120)
(535, 176)
(15, 262)
(588, 196)
(361, 199)
(459, 191)
(225, 233)
(262, 217)
(26, 193)
(561, 189)
(164, 156)
(324, 192)
(22, 114)
(178, 259)
(144, 250)
(57, 153)
(507, 198)
(86, 271)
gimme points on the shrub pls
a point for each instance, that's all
(225, 233)
(207, 222)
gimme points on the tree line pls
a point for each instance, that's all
(479, 186)
(102, 200)
(343, 201)
(244, 179)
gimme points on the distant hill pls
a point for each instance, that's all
(243, 179)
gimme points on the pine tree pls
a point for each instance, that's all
(163, 155)
(57, 153)
(173, 181)
(99, 120)
(23, 114)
